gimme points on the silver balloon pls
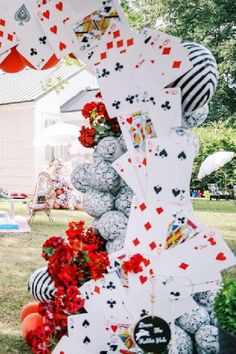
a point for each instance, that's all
(112, 225)
(195, 118)
(109, 148)
(80, 177)
(97, 203)
(207, 340)
(193, 320)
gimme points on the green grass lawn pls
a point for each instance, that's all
(20, 255)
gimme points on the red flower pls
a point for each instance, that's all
(87, 137)
(134, 264)
(88, 109)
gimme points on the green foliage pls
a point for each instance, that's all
(215, 137)
(209, 22)
(225, 306)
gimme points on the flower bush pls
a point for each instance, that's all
(71, 263)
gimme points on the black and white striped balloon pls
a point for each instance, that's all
(41, 285)
(198, 84)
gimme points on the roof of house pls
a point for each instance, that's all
(27, 85)
(77, 102)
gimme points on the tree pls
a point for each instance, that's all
(209, 22)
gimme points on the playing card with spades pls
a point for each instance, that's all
(88, 331)
(34, 45)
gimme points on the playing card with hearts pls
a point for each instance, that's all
(125, 167)
(121, 336)
(163, 58)
(34, 45)
(55, 18)
(200, 259)
(8, 35)
(136, 128)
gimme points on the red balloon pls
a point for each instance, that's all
(13, 62)
(31, 307)
(30, 323)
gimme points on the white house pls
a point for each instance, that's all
(26, 108)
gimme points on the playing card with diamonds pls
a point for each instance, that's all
(163, 58)
(87, 331)
(34, 45)
(146, 229)
(55, 18)
(90, 30)
(200, 260)
(8, 36)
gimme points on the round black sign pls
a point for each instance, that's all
(152, 334)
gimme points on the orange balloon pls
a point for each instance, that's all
(31, 307)
(51, 62)
(13, 62)
(30, 323)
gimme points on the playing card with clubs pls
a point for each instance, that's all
(55, 18)
(34, 45)
(90, 30)
(106, 293)
(8, 35)
(146, 229)
(181, 229)
(163, 58)
(88, 331)
(125, 167)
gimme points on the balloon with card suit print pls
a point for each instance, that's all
(97, 203)
(13, 62)
(207, 340)
(31, 307)
(112, 225)
(122, 143)
(199, 84)
(183, 343)
(193, 320)
(30, 323)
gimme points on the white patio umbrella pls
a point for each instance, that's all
(59, 134)
(214, 162)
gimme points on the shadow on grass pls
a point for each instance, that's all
(13, 344)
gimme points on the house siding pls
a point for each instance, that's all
(17, 155)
